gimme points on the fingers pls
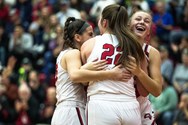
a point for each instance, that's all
(95, 60)
(120, 66)
(132, 59)
(124, 80)
(130, 67)
(101, 62)
(127, 75)
(100, 65)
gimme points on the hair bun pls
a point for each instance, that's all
(71, 19)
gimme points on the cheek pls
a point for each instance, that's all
(132, 25)
(89, 37)
(85, 38)
(148, 28)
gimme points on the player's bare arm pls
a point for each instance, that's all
(154, 84)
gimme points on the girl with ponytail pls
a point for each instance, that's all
(70, 93)
(116, 100)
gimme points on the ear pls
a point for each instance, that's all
(104, 23)
(77, 37)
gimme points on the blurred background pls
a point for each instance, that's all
(31, 37)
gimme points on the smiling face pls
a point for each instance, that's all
(140, 24)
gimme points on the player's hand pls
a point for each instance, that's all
(133, 67)
(121, 74)
(95, 65)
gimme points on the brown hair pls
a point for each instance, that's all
(117, 18)
(73, 26)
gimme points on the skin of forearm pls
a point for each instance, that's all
(149, 84)
(83, 75)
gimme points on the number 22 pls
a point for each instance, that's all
(109, 52)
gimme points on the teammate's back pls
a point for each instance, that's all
(106, 48)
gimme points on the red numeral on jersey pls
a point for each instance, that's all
(109, 52)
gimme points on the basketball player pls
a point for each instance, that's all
(70, 93)
(113, 102)
(140, 24)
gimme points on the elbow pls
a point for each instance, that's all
(157, 92)
(145, 94)
(74, 78)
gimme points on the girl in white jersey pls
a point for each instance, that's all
(70, 92)
(112, 102)
(140, 24)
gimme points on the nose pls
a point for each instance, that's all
(141, 21)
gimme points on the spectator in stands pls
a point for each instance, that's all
(98, 6)
(66, 11)
(25, 9)
(181, 114)
(4, 44)
(37, 89)
(24, 69)
(138, 5)
(27, 107)
(37, 7)
(163, 21)
(39, 31)
(49, 106)
(164, 105)
(14, 19)
(4, 11)
(180, 76)
(8, 93)
(55, 42)
(21, 43)
(155, 42)
(166, 64)
(178, 48)
(182, 28)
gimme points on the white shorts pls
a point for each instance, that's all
(147, 112)
(68, 114)
(113, 112)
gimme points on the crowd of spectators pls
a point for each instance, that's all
(31, 37)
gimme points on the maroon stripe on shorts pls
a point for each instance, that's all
(153, 123)
(79, 116)
(86, 114)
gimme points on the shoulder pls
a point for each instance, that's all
(73, 51)
(68, 53)
(89, 42)
(87, 48)
(88, 45)
(154, 55)
(154, 52)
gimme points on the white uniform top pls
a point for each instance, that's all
(146, 48)
(66, 90)
(106, 48)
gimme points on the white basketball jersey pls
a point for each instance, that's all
(66, 90)
(106, 47)
(146, 48)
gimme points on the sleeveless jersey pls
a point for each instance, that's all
(66, 90)
(106, 47)
(146, 48)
